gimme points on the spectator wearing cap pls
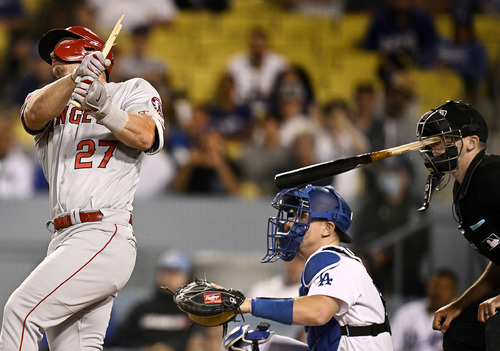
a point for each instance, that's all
(156, 321)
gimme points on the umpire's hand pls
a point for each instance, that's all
(444, 316)
(488, 309)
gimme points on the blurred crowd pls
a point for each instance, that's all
(264, 116)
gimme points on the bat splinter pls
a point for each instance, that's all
(319, 171)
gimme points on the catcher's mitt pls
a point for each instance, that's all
(207, 305)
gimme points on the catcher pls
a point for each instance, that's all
(339, 305)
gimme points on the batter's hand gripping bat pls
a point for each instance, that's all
(107, 47)
(319, 171)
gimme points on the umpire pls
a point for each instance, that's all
(471, 322)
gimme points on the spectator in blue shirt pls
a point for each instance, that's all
(465, 54)
(401, 28)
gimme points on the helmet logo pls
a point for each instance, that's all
(442, 112)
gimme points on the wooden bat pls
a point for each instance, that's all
(319, 171)
(107, 47)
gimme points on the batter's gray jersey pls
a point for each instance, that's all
(69, 295)
(85, 164)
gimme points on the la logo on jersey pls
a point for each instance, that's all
(211, 298)
(324, 278)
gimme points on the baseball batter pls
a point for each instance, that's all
(91, 157)
(339, 305)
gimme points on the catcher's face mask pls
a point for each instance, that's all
(440, 158)
(286, 231)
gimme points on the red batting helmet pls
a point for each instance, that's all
(74, 50)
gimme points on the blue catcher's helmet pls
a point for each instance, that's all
(285, 231)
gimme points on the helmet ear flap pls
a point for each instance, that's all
(328, 204)
(72, 51)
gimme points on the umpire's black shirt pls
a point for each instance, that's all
(477, 205)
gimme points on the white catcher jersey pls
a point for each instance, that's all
(86, 166)
(361, 305)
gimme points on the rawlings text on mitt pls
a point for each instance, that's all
(207, 305)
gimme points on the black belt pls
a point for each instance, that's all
(366, 330)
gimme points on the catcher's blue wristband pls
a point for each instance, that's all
(279, 310)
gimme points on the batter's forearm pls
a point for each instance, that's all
(138, 132)
(48, 103)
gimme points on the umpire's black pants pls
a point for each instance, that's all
(466, 333)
